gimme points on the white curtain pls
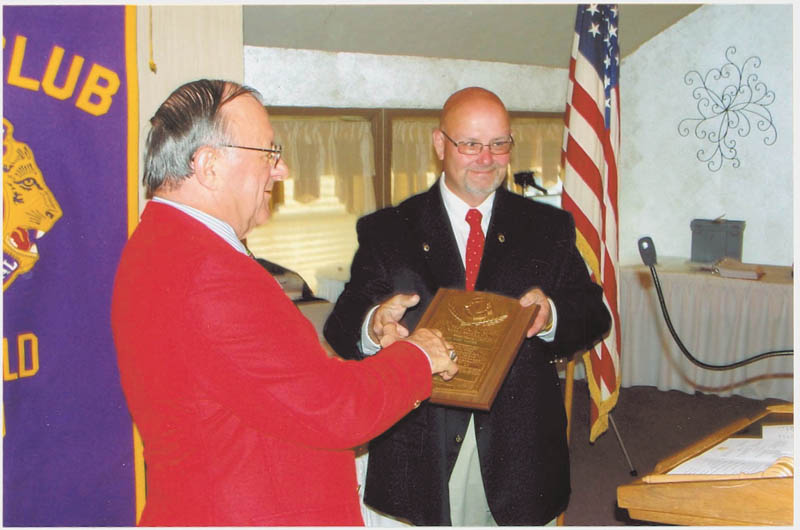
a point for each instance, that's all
(332, 168)
(414, 163)
(537, 148)
(337, 146)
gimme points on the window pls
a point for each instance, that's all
(414, 165)
(331, 163)
(345, 163)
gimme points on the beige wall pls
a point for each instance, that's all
(663, 184)
(188, 42)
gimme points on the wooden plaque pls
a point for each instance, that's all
(486, 331)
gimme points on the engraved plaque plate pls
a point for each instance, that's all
(486, 331)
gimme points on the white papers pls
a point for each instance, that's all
(784, 433)
(740, 455)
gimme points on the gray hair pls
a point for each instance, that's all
(187, 120)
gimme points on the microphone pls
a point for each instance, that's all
(647, 250)
(525, 179)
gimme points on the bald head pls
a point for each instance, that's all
(466, 98)
(473, 116)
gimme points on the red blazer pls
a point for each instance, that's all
(245, 419)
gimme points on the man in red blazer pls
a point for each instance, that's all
(244, 417)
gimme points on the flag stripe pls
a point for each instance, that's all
(583, 165)
(586, 78)
(589, 158)
(582, 224)
(594, 118)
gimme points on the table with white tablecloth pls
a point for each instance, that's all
(719, 320)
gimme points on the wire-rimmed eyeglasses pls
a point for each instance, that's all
(273, 153)
(497, 147)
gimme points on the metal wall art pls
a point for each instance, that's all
(729, 99)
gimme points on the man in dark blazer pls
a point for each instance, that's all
(442, 465)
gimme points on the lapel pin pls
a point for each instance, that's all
(426, 247)
(501, 238)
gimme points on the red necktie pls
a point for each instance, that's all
(474, 247)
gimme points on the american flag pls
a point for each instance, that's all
(589, 158)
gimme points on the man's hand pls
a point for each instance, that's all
(384, 328)
(441, 353)
(543, 319)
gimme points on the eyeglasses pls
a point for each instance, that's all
(273, 153)
(498, 147)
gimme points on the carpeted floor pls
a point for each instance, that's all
(653, 425)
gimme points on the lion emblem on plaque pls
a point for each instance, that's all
(29, 207)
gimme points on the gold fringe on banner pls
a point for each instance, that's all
(133, 211)
(152, 63)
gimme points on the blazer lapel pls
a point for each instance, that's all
(496, 247)
(431, 230)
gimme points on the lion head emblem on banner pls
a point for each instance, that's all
(29, 208)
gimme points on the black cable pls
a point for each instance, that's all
(648, 252)
(701, 364)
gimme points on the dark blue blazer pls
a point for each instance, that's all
(522, 440)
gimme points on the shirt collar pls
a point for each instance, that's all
(219, 227)
(457, 208)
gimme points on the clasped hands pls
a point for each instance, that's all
(385, 328)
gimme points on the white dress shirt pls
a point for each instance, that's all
(219, 227)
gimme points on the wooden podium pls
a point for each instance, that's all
(720, 502)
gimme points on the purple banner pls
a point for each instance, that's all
(67, 434)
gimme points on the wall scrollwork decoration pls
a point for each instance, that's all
(729, 98)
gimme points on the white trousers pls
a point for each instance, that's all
(468, 505)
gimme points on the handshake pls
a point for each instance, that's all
(385, 328)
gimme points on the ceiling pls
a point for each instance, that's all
(533, 34)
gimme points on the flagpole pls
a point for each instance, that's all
(622, 445)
